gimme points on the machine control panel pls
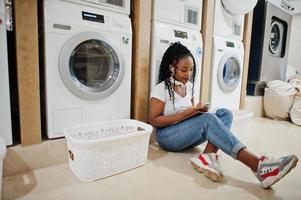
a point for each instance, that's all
(230, 44)
(93, 17)
(181, 34)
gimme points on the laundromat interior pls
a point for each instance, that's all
(79, 115)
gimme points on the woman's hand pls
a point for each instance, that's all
(157, 119)
(200, 107)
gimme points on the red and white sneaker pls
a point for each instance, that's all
(208, 163)
(270, 170)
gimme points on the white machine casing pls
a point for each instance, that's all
(229, 17)
(187, 13)
(5, 112)
(67, 104)
(163, 35)
(238, 7)
(118, 6)
(226, 93)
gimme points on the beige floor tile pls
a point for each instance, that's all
(58, 153)
(21, 159)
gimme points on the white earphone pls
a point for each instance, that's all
(172, 69)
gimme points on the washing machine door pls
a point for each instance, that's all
(229, 72)
(276, 37)
(91, 66)
(236, 7)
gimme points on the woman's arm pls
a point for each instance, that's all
(157, 119)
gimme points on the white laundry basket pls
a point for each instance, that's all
(2, 154)
(107, 148)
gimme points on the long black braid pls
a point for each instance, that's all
(172, 55)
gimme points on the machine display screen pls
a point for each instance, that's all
(181, 34)
(93, 17)
(230, 44)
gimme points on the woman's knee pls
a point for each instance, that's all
(210, 116)
(224, 113)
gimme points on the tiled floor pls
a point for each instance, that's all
(170, 176)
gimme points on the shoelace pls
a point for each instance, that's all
(264, 157)
(216, 157)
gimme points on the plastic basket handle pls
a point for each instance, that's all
(71, 155)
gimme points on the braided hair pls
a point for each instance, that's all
(172, 55)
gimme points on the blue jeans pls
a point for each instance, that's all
(214, 127)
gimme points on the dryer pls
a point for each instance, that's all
(229, 17)
(182, 23)
(5, 111)
(118, 6)
(269, 46)
(226, 74)
(87, 65)
(187, 13)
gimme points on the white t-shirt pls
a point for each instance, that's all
(181, 103)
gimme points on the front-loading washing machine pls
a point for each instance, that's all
(229, 17)
(269, 46)
(87, 65)
(5, 111)
(119, 6)
(226, 77)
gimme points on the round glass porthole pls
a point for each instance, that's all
(229, 73)
(90, 66)
(94, 66)
(275, 37)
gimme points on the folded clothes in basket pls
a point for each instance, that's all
(104, 133)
